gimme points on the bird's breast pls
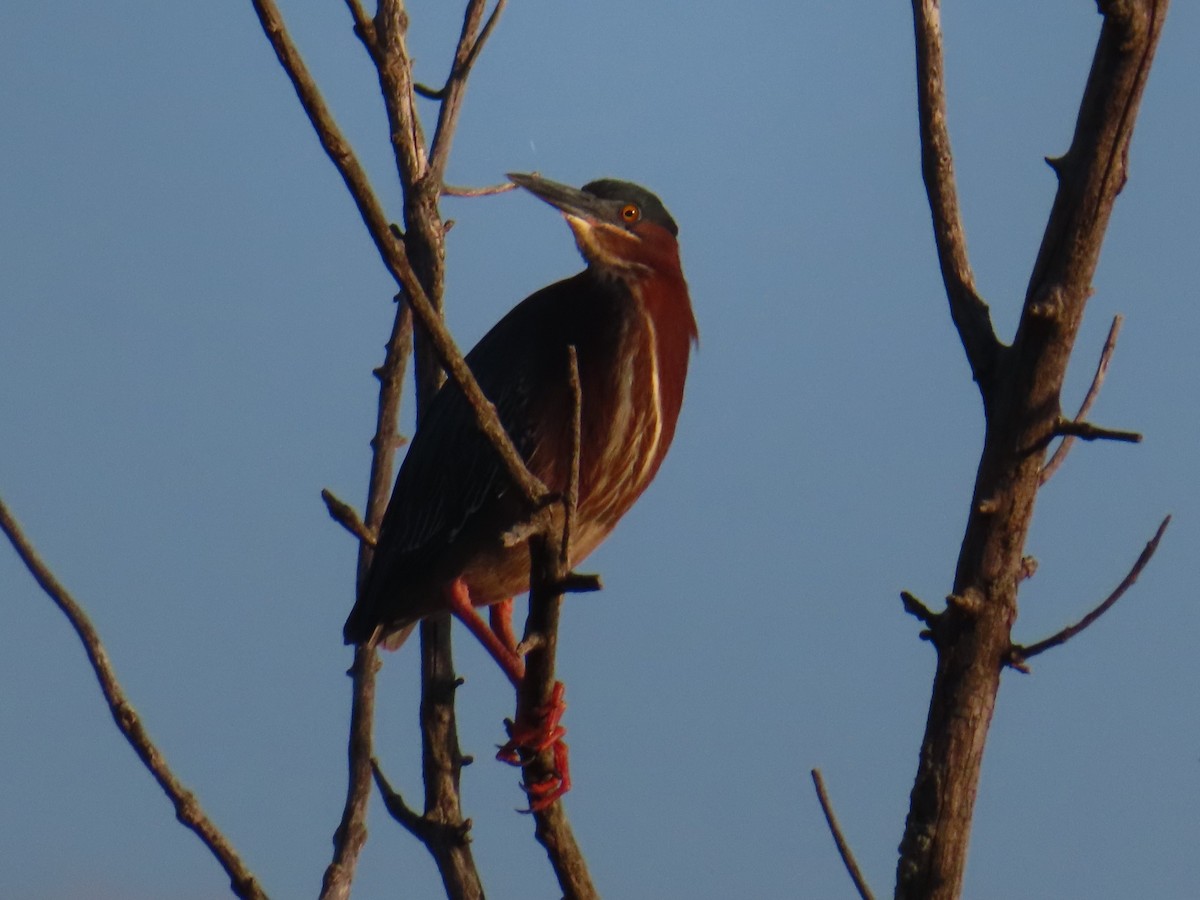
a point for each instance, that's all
(634, 404)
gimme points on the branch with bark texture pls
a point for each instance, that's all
(187, 808)
(350, 836)
(1021, 387)
(391, 248)
(550, 555)
(967, 308)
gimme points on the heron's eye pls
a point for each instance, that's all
(630, 213)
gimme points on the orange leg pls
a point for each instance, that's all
(535, 732)
(459, 599)
(500, 618)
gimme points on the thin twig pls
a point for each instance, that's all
(486, 33)
(1022, 653)
(1060, 453)
(351, 833)
(473, 47)
(450, 190)
(843, 847)
(364, 27)
(967, 308)
(465, 56)
(187, 808)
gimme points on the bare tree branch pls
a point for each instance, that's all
(1022, 653)
(1021, 387)
(1093, 392)
(967, 308)
(551, 567)
(363, 26)
(445, 841)
(450, 190)
(187, 808)
(351, 833)
(391, 250)
(465, 56)
(442, 762)
(843, 846)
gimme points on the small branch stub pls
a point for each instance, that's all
(344, 514)
(914, 607)
(1089, 432)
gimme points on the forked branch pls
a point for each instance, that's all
(967, 308)
(1021, 389)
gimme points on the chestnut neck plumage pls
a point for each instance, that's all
(650, 268)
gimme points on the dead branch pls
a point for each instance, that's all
(351, 833)
(470, 43)
(1021, 387)
(1093, 391)
(363, 26)
(1022, 653)
(391, 249)
(967, 308)
(551, 567)
(187, 808)
(843, 846)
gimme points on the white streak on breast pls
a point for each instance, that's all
(656, 396)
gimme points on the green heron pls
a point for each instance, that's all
(447, 538)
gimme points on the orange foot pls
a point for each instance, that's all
(541, 730)
(526, 739)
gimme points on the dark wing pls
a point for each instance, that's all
(451, 470)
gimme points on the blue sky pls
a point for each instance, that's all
(189, 313)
